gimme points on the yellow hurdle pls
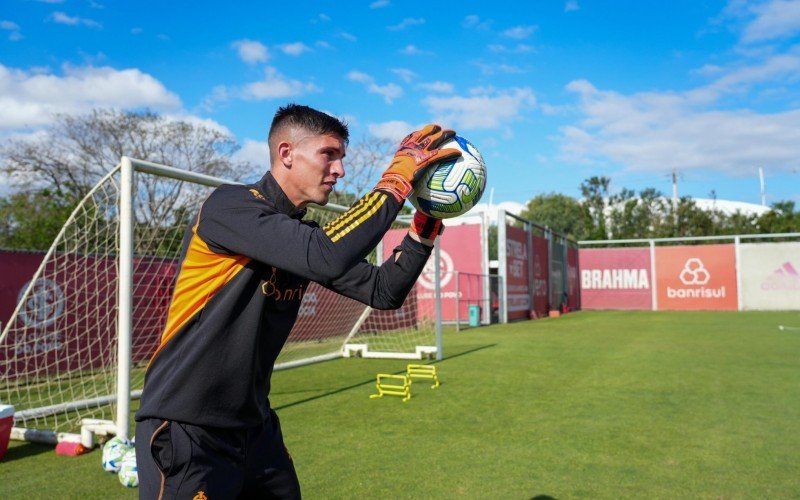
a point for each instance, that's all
(423, 371)
(390, 389)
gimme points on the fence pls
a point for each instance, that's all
(537, 267)
(741, 272)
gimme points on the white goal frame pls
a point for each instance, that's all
(125, 310)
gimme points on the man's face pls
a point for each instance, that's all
(316, 165)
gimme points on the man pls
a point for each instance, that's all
(205, 429)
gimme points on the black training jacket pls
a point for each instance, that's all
(244, 267)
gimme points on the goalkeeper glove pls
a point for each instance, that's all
(426, 227)
(417, 151)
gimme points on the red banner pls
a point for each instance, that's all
(573, 282)
(616, 278)
(699, 277)
(541, 284)
(518, 304)
(460, 250)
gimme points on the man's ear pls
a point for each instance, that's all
(286, 153)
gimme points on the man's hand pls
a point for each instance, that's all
(425, 228)
(417, 151)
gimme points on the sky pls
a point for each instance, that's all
(550, 91)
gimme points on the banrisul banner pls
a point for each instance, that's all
(616, 278)
(460, 250)
(698, 277)
(517, 286)
(770, 275)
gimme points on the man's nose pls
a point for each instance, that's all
(338, 168)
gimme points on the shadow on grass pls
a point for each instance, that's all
(18, 452)
(372, 380)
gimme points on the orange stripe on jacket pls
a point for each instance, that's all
(203, 272)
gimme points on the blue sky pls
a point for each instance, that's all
(551, 92)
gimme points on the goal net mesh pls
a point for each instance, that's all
(58, 350)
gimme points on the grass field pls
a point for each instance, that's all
(591, 405)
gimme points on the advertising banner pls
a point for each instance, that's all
(573, 283)
(616, 278)
(699, 277)
(517, 286)
(459, 250)
(770, 275)
(541, 286)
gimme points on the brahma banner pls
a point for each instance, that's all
(616, 278)
(517, 286)
(770, 275)
(459, 250)
(700, 277)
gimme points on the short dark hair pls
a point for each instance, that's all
(310, 119)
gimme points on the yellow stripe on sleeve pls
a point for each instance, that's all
(375, 207)
(362, 206)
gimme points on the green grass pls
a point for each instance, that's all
(594, 404)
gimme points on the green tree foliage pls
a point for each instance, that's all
(59, 165)
(559, 212)
(30, 220)
(648, 214)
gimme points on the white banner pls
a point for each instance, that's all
(770, 276)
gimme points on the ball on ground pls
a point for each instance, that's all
(128, 472)
(113, 451)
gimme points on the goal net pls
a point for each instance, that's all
(105, 279)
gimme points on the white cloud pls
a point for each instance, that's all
(483, 109)
(275, 85)
(295, 49)
(519, 32)
(379, 4)
(136, 31)
(255, 152)
(773, 20)
(520, 48)
(347, 36)
(571, 6)
(658, 131)
(413, 50)
(62, 18)
(30, 98)
(474, 22)
(437, 86)
(251, 51)
(405, 23)
(389, 92)
(393, 130)
(13, 28)
(405, 74)
(494, 68)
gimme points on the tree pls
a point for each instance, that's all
(30, 220)
(64, 161)
(781, 219)
(559, 212)
(595, 194)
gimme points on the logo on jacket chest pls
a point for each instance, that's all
(282, 290)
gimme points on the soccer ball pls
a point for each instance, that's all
(128, 472)
(113, 451)
(450, 188)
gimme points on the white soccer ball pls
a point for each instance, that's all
(113, 451)
(450, 188)
(128, 472)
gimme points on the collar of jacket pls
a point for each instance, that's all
(276, 197)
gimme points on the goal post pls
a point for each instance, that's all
(75, 350)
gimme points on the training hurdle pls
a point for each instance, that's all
(422, 371)
(390, 389)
